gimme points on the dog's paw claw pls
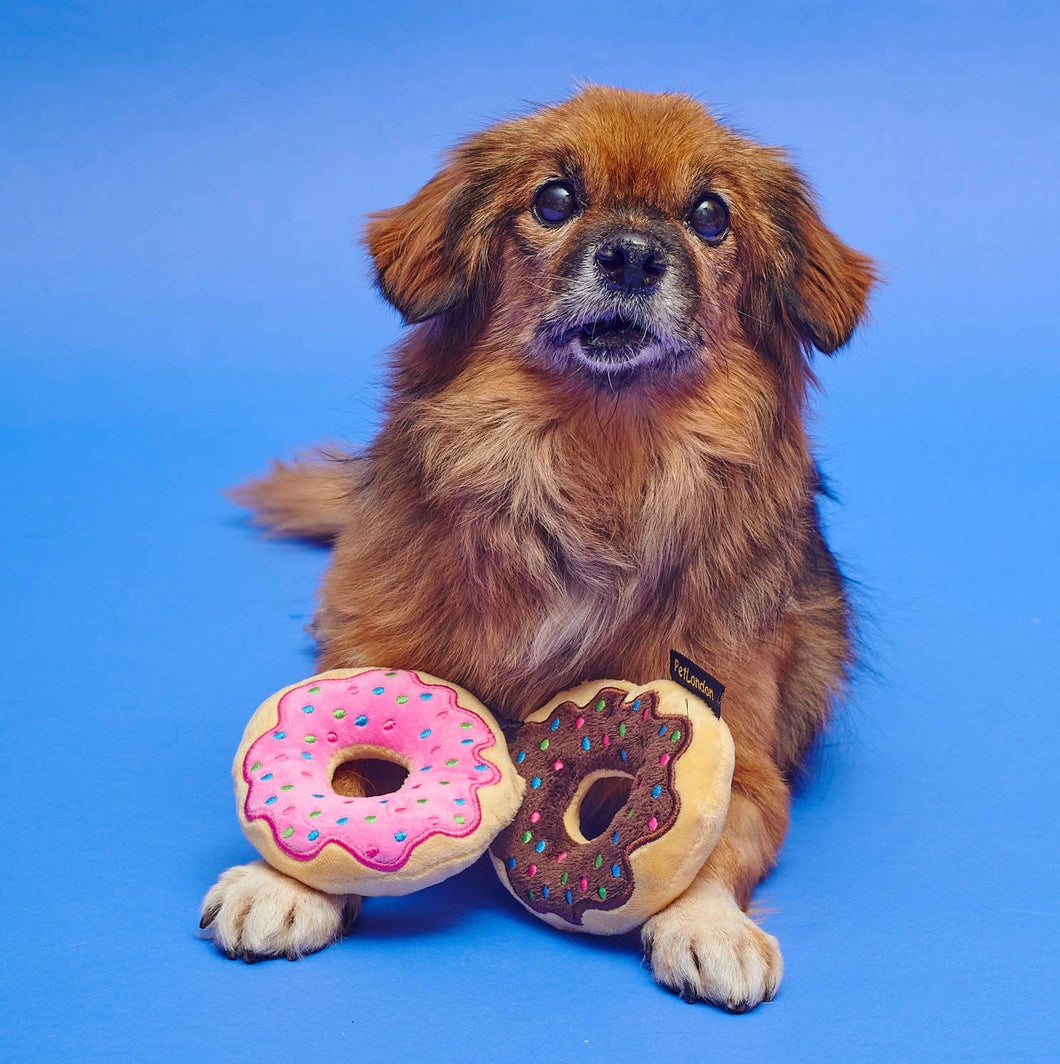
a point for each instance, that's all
(708, 949)
(254, 913)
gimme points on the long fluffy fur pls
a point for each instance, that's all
(519, 530)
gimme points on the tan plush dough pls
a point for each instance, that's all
(309, 791)
(627, 793)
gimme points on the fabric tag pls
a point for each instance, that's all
(690, 676)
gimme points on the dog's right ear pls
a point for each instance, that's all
(429, 252)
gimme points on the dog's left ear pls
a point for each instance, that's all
(429, 251)
(825, 284)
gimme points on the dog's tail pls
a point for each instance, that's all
(309, 497)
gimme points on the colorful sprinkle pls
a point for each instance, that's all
(287, 787)
(468, 742)
(333, 737)
(614, 839)
(313, 835)
(315, 812)
(519, 757)
(511, 863)
(421, 801)
(482, 768)
(567, 895)
(601, 706)
(527, 836)
(554, 725)
(310, 738)
(635, 706)
(401, 699)
(361, 721)
(459, 819)
(307, 709)
(585, 743)
(287, 832)
(339, 714)
(622, 730)
(616, 871)
(272, 798)
(540, 846)
(267, 776)
(426, 697)
(313, 690)
(622, 754)
(662, 730)
(452, 761)
(599, 861)
(426, 768)
(557, 765)
(465, 724)
(664, 759)
(544, 892)
(425, 733)
(400, 836)
(607, 741)
(390, 674)
(656, 790)
(371, 818)
(279, 735)
(561, 857)
(563, 880)
(535, 816)
(652, 824)
(579, 722)
(255, 766)
(342, 820)
(532, 870)
(535, 782)
(307, 755)
(377, 690)
(460, 801)
(544, 744)
(675, 737)
(602, 891)
(584, 883)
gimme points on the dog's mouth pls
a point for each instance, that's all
(614, 341)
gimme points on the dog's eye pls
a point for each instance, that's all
(710, 219)
(554, 203)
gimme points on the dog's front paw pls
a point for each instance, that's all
(704, 947)
(255, 912)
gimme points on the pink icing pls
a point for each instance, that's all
(424, 724)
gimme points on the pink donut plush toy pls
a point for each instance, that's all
(385, 781)
(373, 781)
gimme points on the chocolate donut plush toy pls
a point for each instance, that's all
(627, 792)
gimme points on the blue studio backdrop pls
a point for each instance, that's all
(182, 297)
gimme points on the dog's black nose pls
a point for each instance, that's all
(630, 262)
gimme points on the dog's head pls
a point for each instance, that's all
(621, 237)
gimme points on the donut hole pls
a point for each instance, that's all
(368, 776)
(596, 803)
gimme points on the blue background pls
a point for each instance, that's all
(182, 296)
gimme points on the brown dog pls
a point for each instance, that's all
(594, 451)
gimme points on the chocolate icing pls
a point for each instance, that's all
(544, 865)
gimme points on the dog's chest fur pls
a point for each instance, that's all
(561, 548)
